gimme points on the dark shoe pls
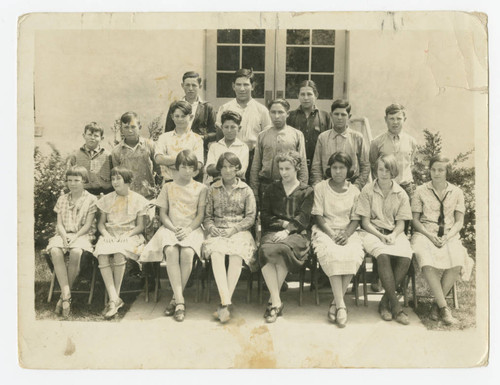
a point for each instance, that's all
(284, 287)
(268, 309)
(376, 287)
(341, 317)
(66, 307)
(58, 309)
(332, 312)
(114, 306)
(274, 313)
(402, 318)
(180, 312)
(170, 310)
(384, 311)
(223, 313)
(434, 313)
(447, 317)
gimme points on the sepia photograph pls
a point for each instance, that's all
(253, 190)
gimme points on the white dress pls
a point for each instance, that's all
(182, 205)
(338, 211)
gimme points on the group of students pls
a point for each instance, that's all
(207, 210)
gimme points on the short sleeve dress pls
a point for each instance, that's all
(224, 211)
(74, 215)
(338, 210)
(182, 204)
(453, 253)
(383, 213)
(121, 215)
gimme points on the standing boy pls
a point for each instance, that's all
(95, 159)
(136, 154)
(202, 120)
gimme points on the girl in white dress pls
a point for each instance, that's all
(182, 207)
(121, 224)
(334, 236)
(438, 216)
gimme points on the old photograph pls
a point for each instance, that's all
(253, 190)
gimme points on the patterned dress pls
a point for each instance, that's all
(74, 215)
(383, 213)
(295, 208)
(224, 211)
(453, 253)
(338, 210)
(121, 215)
(182, 205)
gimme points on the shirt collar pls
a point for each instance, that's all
(344, 134)
(236, 142)
(219, 184)
(96, 150)
(198, 100)
(174, 133)
(313, 111)
(396, 188)
(139, 144)
(449, 186)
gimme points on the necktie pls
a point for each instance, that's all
(397, 143)
(441, 213)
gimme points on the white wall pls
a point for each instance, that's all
(441, 77)
(84, 76)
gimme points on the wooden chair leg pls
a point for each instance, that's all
(157, 272)
(259, 286)
(301, 285)
(249, 286)
(355, 283)
(146, 288)
(414, 290)
(365, 286)
(316, 286)
(455, 296)
(51, 288)
(209, 281)
(92, 282)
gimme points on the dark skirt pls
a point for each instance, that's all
(293, 249)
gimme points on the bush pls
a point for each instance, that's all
(461, 176)
(49, 185)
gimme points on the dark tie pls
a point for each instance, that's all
(441, 213)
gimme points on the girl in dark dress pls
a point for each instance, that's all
(285, 216)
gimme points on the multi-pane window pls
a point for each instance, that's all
(310, 55)
(240, 48)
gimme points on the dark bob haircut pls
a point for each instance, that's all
(182, 105)
(340, 157)
(186, 158)
(231, 158)
(125, 173)
(78, 171)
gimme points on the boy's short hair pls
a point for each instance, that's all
(309, 83)
(291, 156)
(244, 73)
(186, 158)
(231, 115)
(231, 158)
(281, 102)
(394, 109)
(125, 173)
(341, 103)
(390, 164)
(78, 171)
(340, 157)
(182, 105)
(93, 127)
(192, 75)
(128, 116)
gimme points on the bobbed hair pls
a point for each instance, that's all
(186, 158)
(340, 157)
(78, 171)
(390, 164)
(182, 105)
(125, 173)
(440, 159)
(231, 159)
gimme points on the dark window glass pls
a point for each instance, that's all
(297, 36)
(292, 82)
(258, 91)
(228, 58)
(323, 37)
(325, 85)
(254, 36)
(322, 59)
(254, 57)
(297, 59)
(224, 85)
(228, 36)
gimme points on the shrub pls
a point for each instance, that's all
(49, 184)
(461, 176)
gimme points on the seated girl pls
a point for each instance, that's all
(334, 236)
(182, 206)
(384, 207)
(285, 217)
(229, 215)
(75, 233)
(121, 224)
(438, 216)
